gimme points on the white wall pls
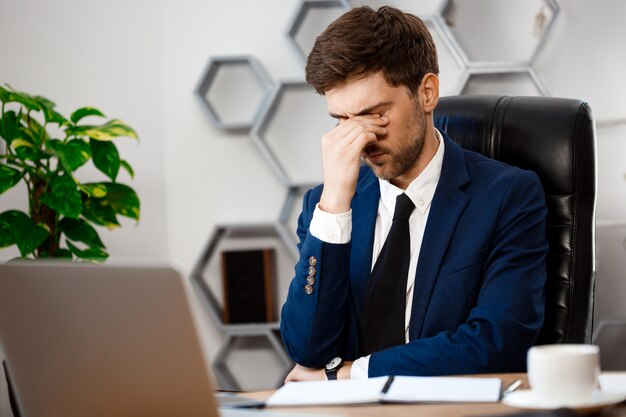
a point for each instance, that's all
(106, 54)
(140, 60)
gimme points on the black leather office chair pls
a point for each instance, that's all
(555, 138)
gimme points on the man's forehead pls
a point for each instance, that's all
(357, 95)
(371, 101)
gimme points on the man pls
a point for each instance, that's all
(427, 260)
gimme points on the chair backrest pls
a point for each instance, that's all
(555, 138)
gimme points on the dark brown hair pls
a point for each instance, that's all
(364, 41)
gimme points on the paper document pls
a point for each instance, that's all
(329, 392)
(454, 389)
(388, 389)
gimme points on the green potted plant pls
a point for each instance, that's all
(44, 149)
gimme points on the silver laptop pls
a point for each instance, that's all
(87, 340)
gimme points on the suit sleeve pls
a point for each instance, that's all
(508, 314)
(312, 325)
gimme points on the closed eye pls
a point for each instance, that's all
(377, 109)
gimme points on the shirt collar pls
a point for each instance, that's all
(422, 189)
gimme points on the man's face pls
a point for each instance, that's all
(396, 152)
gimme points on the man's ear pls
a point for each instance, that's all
(429, 92)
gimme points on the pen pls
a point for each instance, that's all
(388, 384)
(511, 387)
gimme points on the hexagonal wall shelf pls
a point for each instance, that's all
(289, 130)
(205, 279)
(451, 65)
(522, 82)
(310, 20)
(495, 32)
(206, 274)
(264, 349)
(586, 37)
(232, 90)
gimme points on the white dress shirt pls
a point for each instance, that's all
(337, 228)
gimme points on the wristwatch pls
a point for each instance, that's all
(332, 367)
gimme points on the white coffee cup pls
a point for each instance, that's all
(563, 375)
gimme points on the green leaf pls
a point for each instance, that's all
(99, 211)
(9, 125)
(5, 95)
(91, 254)
(51, 115)
(95, 190)
(18, 143)
(26, 233)
(80, 231)
(8, 177)
(119, 199)
(128, 168)
(25, 146)
(105, 157)
(6, 234)
(123, 200)
(24, 99)
(36, 129)
(63, 197)
(78, 153)
(84, 112)
(44, 101)
(108, 131)
(73, 154)
(63, 253)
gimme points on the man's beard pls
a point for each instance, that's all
(404, 157)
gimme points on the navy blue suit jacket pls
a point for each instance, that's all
(478, 299)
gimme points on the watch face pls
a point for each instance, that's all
(333, 363)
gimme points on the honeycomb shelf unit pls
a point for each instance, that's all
(294, 162)
(232, 90)
(205, 280)
(305, 25)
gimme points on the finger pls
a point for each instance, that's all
(363, 140)
(372, 118)
(290, 377)
(361, 129)
(366, 120)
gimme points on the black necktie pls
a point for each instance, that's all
(381, 323)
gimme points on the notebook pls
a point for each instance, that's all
(101, 341)
(388, 389)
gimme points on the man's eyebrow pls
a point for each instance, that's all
(368, 110)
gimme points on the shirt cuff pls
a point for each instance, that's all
(360, 368)
(331, 228)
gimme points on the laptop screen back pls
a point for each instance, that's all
(89, 340)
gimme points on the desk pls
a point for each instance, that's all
(423, 410)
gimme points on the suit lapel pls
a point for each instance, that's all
(447, 206)
(364, 211)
